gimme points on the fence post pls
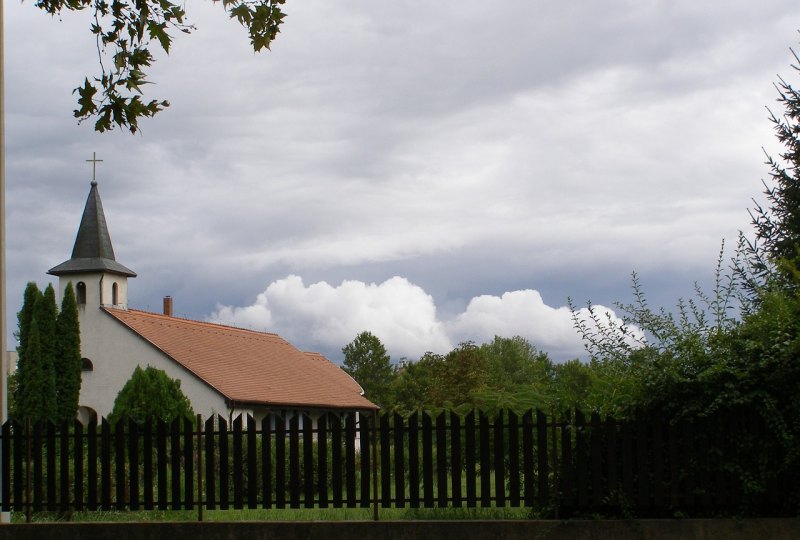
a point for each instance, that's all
(252, 462)
(541, 455)
(27, 470)
(555, 469)
(375, 464)
(199, 467)
(308, 460)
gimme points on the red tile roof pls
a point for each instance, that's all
(245, 366)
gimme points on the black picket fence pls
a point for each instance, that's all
(558, 468)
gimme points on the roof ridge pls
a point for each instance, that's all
(195, 321)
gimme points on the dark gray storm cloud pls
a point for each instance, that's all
(455, 164)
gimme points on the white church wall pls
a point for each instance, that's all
(115, 352)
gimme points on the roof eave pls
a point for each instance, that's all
(317, 406)
(87, 265)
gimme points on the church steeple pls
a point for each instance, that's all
(92, 251)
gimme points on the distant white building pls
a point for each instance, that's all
(222, 369)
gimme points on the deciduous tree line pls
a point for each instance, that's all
(506, 373)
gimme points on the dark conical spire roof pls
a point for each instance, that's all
(92, 251)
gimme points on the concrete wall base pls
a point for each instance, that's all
(700, 529)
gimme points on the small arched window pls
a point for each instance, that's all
(86, 365)
(80, 292)
(114, 294)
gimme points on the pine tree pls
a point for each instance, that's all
(25, 315)
(36, 381)
(778, 225)
(45, 312)
(67, 360)
(24, 319)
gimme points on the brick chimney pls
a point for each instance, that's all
(168, 306)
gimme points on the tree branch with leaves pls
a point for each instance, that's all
(126, 31)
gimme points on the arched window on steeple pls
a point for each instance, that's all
(80, 292)
(114, 295)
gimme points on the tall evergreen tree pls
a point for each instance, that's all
(67, 360)
(778, 227)
(45, 312)
(24, 319)
(25, 315)
(36, 381)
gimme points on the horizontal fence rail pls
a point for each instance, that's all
(562, 467)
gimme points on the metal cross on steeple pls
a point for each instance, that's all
(94, 161)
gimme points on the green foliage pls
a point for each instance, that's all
(47, 381)
(25, 316)
(36, 381)
(45, 313)
(151, 393)
(125, 31)
(67, 360)
(515, 362)
(778, 226)
(412, 384)
(366, 360)
(636, 358)
(24, 319)
(704, 365)
(571, 386)
(506, 373)
(459, 373)
(756, 375)
(730, 355)
(518, 376)
(689, 331)
(436, 381)
(34, 385)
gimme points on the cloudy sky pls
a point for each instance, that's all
(433, 172)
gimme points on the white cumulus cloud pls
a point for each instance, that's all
(522, 313)
(325, 317)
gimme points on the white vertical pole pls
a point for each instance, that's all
(4, 516)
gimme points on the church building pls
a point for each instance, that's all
(222, 369)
